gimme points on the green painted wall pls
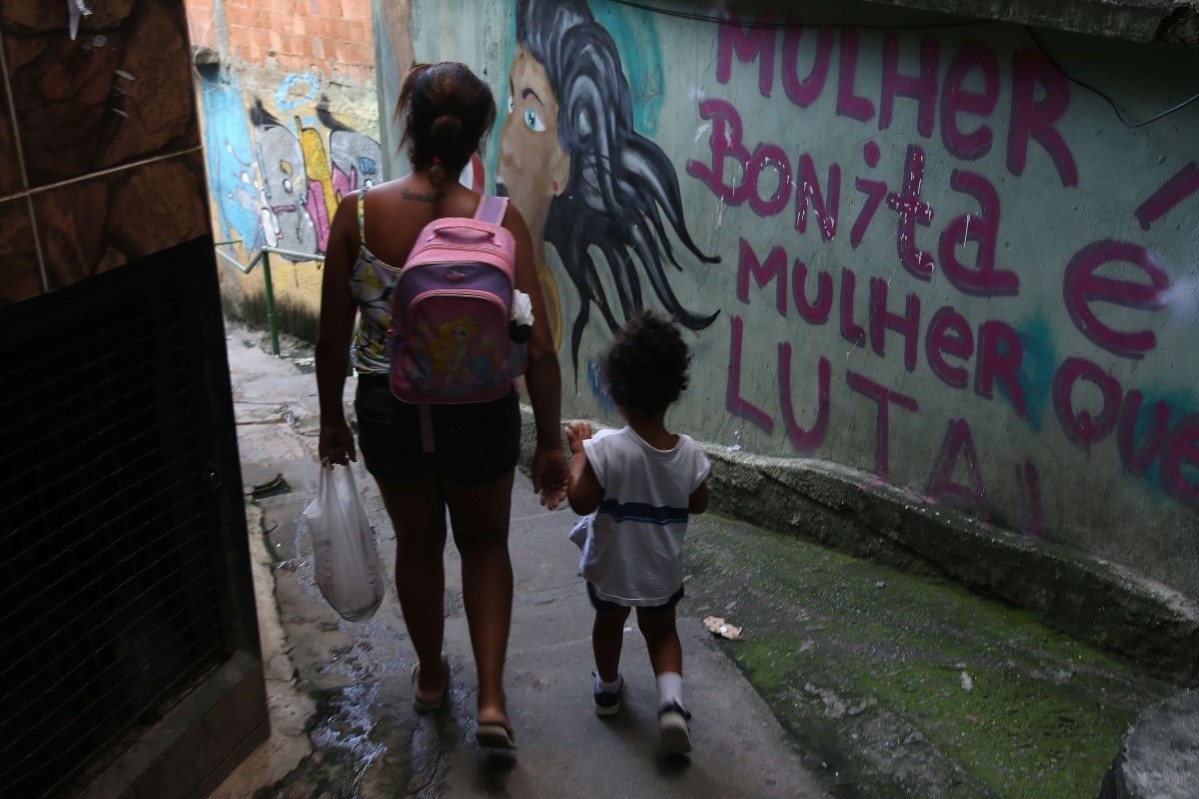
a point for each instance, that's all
(942, 259)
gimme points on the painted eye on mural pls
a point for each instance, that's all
(287, 185)
(510, 104)
(533, 120)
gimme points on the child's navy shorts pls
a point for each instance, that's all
(604, 605)
(473, 443)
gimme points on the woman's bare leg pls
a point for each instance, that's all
(417, 511)
(479, 517)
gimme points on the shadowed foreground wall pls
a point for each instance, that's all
(132, 663)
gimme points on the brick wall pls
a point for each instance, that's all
(332, 37)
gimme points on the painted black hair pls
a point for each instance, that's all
(621, 184)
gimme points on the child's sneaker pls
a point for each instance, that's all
(673, 730)
(607, 703)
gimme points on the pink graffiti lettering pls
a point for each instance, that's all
(319, 212)
(725, 142)
(849, 104)
(1033, 516)
(737, 405)
(775, 268)
(956, 99)
(1000, 355)
(817, 311)
(1040, 97)
(1183, 453)
(949, 334)
(769, 156)
(912, 211)
(1184, 183)
(809, 189)
(983, 279)
(906, 324)
(1135, 462)
(806, 441)
(884, 398)
(757, 41)
(876, 192)
(922, 87)
(957, 442)
(1040, 92)
(1176, 449)
(1081, 287)
(850, 330)
(1082, 427)
(805, 91)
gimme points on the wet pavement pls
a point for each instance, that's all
(853, 680)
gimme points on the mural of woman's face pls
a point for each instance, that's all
(533, 166)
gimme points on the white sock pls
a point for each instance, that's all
(608, 687)
(670, 689)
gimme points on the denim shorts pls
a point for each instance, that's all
(603, 605)
(473, 443)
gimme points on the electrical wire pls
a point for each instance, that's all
(774, 25)
(1106, 97)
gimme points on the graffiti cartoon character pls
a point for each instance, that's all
(583, 178)
(286, 222)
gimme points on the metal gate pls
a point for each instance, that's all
(124, 575)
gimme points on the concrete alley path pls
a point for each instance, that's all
(853, 680)
(342, 722)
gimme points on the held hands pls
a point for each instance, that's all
(336, 444)
(576, 434)
(550, 475)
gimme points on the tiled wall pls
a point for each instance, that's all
(100, 160)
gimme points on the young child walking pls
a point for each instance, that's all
(636, 487)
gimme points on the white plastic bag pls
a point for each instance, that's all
(348, 570)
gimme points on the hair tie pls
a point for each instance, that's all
(436, 161)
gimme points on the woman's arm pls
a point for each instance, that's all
(542, 377)
(338, 309)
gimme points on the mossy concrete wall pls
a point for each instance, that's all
(944, 262)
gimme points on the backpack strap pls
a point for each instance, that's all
(492, 209)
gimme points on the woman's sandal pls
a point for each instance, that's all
(418, 704)
(495, 735)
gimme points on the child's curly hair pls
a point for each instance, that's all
(646, 368)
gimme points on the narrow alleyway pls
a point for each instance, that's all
(852, 680)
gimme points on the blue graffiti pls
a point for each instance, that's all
(292, 95)
(1180, 401)
(1036, 370)
(641, 55)
(231, 158)
(599, 389)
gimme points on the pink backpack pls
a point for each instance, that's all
(450, 314)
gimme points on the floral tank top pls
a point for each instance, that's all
(372, 284)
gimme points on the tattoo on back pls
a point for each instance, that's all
(423, 198)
